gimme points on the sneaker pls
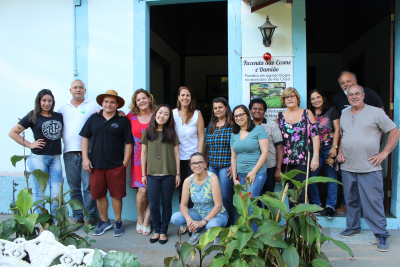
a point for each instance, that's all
(349, 233)
(329, 212)
(194, 239)
(217, 240)
(102, 227)
(341, 209)
(79, 223)
(118, 228)
(382, 244)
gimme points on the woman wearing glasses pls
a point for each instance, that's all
(218, 151)
(297, 126)
(250, 149)
(204, 190)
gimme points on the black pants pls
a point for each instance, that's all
(299, 177)
(186, 171)
(160, 186)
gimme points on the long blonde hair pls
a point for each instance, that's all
(192, 105)
(134, 108)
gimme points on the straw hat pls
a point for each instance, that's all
(121, 101)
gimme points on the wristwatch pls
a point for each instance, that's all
(335, 146)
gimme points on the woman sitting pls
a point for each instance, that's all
(204, 189)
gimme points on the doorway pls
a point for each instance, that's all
(353, 36)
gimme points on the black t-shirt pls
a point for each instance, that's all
(47, 128)
(326, 128)
(340, 101)
(107, 139)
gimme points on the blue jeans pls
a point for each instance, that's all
(76, 177)
(52, 165)
(158, 186)
(218, 221)
(255, 188)
(226, 191)
(332, 187)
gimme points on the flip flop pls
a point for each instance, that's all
(146, 229)
(139, 228)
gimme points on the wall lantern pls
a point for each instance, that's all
(267, 30)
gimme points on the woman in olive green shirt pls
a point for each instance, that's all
(160, 155)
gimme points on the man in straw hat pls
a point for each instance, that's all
(107, 133)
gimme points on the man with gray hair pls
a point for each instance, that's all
(360, 130)
(340, 102)
(75, 113)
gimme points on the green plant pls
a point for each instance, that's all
(297, 243)
(114, 259)
(185, 249)
(23, 223)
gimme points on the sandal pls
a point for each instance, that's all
(139, 228)
(146, 229)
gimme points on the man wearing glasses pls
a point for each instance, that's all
(360, 129)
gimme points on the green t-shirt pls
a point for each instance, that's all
(160, 156)
(248, 150)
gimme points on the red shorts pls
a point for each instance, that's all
(112, 179)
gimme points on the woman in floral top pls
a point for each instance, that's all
(297, 126)
(328, 126)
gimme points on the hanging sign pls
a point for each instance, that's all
(266, 80)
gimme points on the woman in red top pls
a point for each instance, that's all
(142, 108)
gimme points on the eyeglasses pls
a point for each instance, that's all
(290, 97)
(195, 164)
(240, 115)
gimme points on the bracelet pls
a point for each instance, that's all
(178, 174)
(144, 175)
(316, 156)
(205, 220)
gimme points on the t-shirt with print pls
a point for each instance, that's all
(248, 150)
(275, 138)
(47, 128)
(160, 156)
(361, 136)
(326, 128)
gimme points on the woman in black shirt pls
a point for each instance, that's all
(45, 154)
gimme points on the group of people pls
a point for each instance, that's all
(171, 148)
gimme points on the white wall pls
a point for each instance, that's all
(110, 48)
(36, 52)
(280, 15)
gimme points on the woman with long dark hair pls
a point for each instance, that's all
(141, 110)
(218, 151)
(160, 158)
(328, 122)
(250, 149)
(45, 154)
(189, 125)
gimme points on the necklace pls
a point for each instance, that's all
(291, 118)
(158, 144)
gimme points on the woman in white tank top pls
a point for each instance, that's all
(189, 125)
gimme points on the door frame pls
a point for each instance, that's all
(141, 44)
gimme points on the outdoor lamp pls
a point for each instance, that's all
(267, 30)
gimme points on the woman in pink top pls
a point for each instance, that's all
(142, 108)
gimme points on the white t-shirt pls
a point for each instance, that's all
(74, 119)
(187, 134)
